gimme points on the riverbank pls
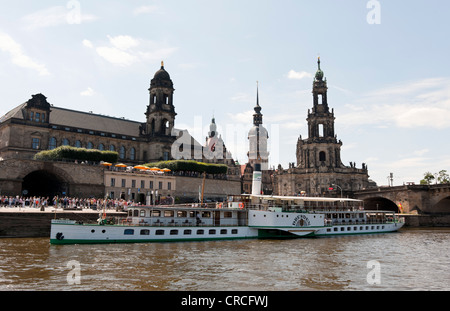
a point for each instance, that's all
(33, 222)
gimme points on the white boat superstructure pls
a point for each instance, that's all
(241, 217)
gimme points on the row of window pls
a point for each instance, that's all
(171, 213)
(361, 228)
(177, 232)
(122, 151)
(37, 117)
(142, 185)
(91, 132)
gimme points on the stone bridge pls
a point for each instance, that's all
(421, 199)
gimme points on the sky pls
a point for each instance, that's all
(386, 63)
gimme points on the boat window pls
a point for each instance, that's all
(128, 231)
(234, 231)
(135, 213)
(227, 214)
(159, 232)
(187, 232)
(130, 212)
(181, 214)
(142, 213)
(200, 231)
(156, 213)
(192, 214)
(174, 232)
(145, 232)
(223, 231)
(206, 214)
(168, 213)
(212, 231)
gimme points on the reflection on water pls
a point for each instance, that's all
(413, 259)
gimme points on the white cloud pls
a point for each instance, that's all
(18, 56)
(244, 117)
(88, 92)
(116, 56)
(298, 75)
(146, 9)
(88, 44)
(423, 103)
(125, 50)
(57, 15)
(123, 42)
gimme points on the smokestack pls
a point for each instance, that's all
(256, 183)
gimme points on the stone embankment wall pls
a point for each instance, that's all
(427, 220)
(36, 224)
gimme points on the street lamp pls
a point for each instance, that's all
(334, 185)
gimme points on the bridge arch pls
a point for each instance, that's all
(45, 183)
(380, 203)
(442, 206)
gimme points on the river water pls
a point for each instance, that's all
(411, 259)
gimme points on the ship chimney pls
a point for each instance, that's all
(256, 183)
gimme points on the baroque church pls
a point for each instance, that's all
(319, 170)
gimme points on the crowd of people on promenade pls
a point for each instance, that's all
(65, 202)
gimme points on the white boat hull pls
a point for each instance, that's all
(95, 234)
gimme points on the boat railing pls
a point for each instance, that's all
(303, 208)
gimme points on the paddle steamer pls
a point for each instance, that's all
(241, 217)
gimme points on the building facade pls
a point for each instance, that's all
(37, 125)
(319, 170)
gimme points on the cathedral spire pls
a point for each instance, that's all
(319, 72)
(257, 117)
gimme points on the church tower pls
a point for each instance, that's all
(157, 130)
(258, 137)
(322, 147)
(319, 170)
(161, 111)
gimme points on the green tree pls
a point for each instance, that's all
(443, 177)
(427, 178)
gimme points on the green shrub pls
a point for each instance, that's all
(79, 154)
(190, 165)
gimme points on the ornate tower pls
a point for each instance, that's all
(157, 130)
(258, 137)
(322, 147)
(161, 111)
